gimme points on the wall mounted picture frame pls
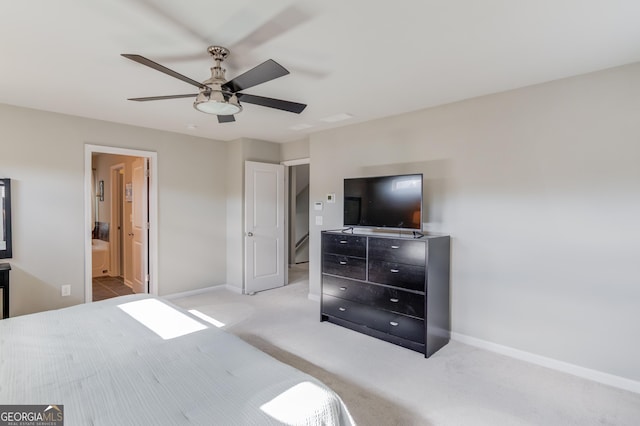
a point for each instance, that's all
(5, 219)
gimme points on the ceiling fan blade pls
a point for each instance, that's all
(272, 103)
(286, 20)
(266, 71)
(156, 66)
(159, 98)
(165, 13)
(226, 119)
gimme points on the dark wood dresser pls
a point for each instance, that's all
(392, 288)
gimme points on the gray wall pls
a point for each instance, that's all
(295, 150)
(43, 154)
(540, 190)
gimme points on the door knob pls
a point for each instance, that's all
(130, 234)
(249, 234)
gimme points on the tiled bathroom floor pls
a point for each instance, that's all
(108, 287)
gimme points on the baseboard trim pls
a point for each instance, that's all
(554, 364)
(193, 292)
(233, 288)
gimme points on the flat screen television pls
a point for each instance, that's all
(393, 202)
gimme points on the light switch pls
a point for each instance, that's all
(319, 220)
(317, 205)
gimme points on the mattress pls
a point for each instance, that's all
(139, 360)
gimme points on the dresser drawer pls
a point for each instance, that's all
(348, 245)
(397, 274)
(386, 322)
(407, 328)
(356, 313)
(377, 296)
(398, 250)
(345, 266)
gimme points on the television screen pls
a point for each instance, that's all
(384, 202)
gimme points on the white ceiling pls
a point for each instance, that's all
(366, 58)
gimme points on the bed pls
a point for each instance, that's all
(140, 360)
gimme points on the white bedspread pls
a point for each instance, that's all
(108, 368)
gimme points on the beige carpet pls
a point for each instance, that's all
(383, 384)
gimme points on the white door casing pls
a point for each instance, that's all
(152, 158)
(264, 238)
(140, 225)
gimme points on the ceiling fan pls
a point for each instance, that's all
(219, 96)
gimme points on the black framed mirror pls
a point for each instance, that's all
(5, 218)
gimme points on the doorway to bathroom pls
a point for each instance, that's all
(121, 212)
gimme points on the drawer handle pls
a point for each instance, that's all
(393, 323)
(343, 288)
(395, 247)
(342, 262)
(341, 309)
(394, 300)
(343, 241)
(395, 271)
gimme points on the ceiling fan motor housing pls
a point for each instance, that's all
(213, 99)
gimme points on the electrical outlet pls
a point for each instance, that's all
(65, 290)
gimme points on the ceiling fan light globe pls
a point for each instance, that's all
(217, 108)
(214, 103)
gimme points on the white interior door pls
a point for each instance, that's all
(264, 226)
(140, 225)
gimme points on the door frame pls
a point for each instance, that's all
(152, 157)
(290, 210)
(115, 238)
(287, 211)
